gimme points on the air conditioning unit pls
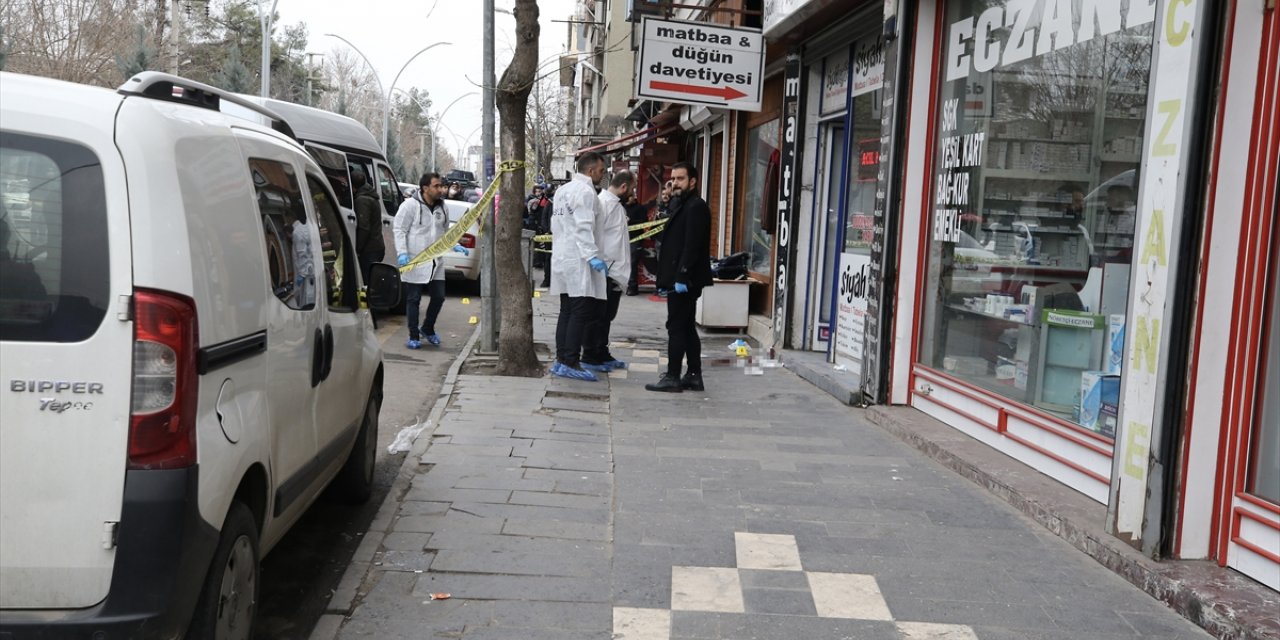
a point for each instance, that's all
(694, 116)
(637, 9)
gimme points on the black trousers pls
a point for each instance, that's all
(682, 332)
(413, 296)
(595, 344)
(576, 314)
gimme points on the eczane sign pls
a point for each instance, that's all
(698, 63)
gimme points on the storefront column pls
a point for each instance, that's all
(1153, 389)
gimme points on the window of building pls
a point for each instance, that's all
(1036, 161)
(54, 264)
(289, 236)
(1264, 467)
(760, 196)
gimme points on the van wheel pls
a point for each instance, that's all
(354, 483)
(229, 598)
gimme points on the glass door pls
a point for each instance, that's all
(826, 234)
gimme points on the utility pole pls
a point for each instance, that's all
(488, 266)
(264, 21)
(175, 34)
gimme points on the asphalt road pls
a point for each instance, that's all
(301, 572)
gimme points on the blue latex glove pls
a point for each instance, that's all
(402, 259)
(457, 248)
(682, 287)
(598, 265)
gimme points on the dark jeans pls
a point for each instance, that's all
(595, 344)
(413, 297)
(366, 261)
(682, 332)
(571, 327)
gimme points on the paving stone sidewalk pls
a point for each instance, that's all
(761, 508)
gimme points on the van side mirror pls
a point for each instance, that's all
(383, 286)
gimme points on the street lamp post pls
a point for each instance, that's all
(435, 126)
(386, 102)
(264, 21)
(488, 268)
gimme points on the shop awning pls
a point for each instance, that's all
(630, 140)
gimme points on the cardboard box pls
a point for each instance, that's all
(1098, 390)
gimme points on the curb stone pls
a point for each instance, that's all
(356, 579)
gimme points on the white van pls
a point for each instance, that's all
(186, 354)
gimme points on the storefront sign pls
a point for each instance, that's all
(1134, 512)
(835, 82)
(1023, 29)
(851, 309)
(699, 63)
(787, 197)
(868, 65)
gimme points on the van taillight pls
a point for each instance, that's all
(162, 432)
(468, 241)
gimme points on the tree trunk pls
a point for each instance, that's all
(516, 356)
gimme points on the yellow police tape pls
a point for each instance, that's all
(654, 227)
(446, 242)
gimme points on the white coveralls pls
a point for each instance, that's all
(576, 216)
(613, 240)
(418, 225)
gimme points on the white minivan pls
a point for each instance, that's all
(341, 145)
(187, 354)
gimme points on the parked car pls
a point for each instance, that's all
(407, 189)
(456, 265)
(188, 363)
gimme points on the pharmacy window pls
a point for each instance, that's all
(1039, 125)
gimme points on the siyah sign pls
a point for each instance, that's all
(699, 63)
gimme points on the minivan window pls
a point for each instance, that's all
(290, 246)
(54, 254)
(390, 189)
(338, 268)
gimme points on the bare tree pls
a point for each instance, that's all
(516, 356)
(75, 40)
(545, 121)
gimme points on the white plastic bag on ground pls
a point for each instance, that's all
(404, 439)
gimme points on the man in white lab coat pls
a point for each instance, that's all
(420, 221)
(615, 247)
(578, 268)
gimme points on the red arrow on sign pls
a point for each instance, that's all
(725, 92)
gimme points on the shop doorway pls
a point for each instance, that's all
(827, 234)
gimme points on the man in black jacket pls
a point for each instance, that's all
(369, 245)
(684, 268)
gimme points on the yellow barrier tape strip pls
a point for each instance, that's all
(654, 227)
(446, 242)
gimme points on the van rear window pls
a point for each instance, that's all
(54, 266)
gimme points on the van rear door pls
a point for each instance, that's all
(338, 174)
(66, 352)
(389, 190)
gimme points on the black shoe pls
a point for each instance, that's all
(633, 292)
(692, 382)
(667, 384)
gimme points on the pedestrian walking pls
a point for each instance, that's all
(615, 247)
(369, 244)
(578, 272)
(420, 221)
(684, 269)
